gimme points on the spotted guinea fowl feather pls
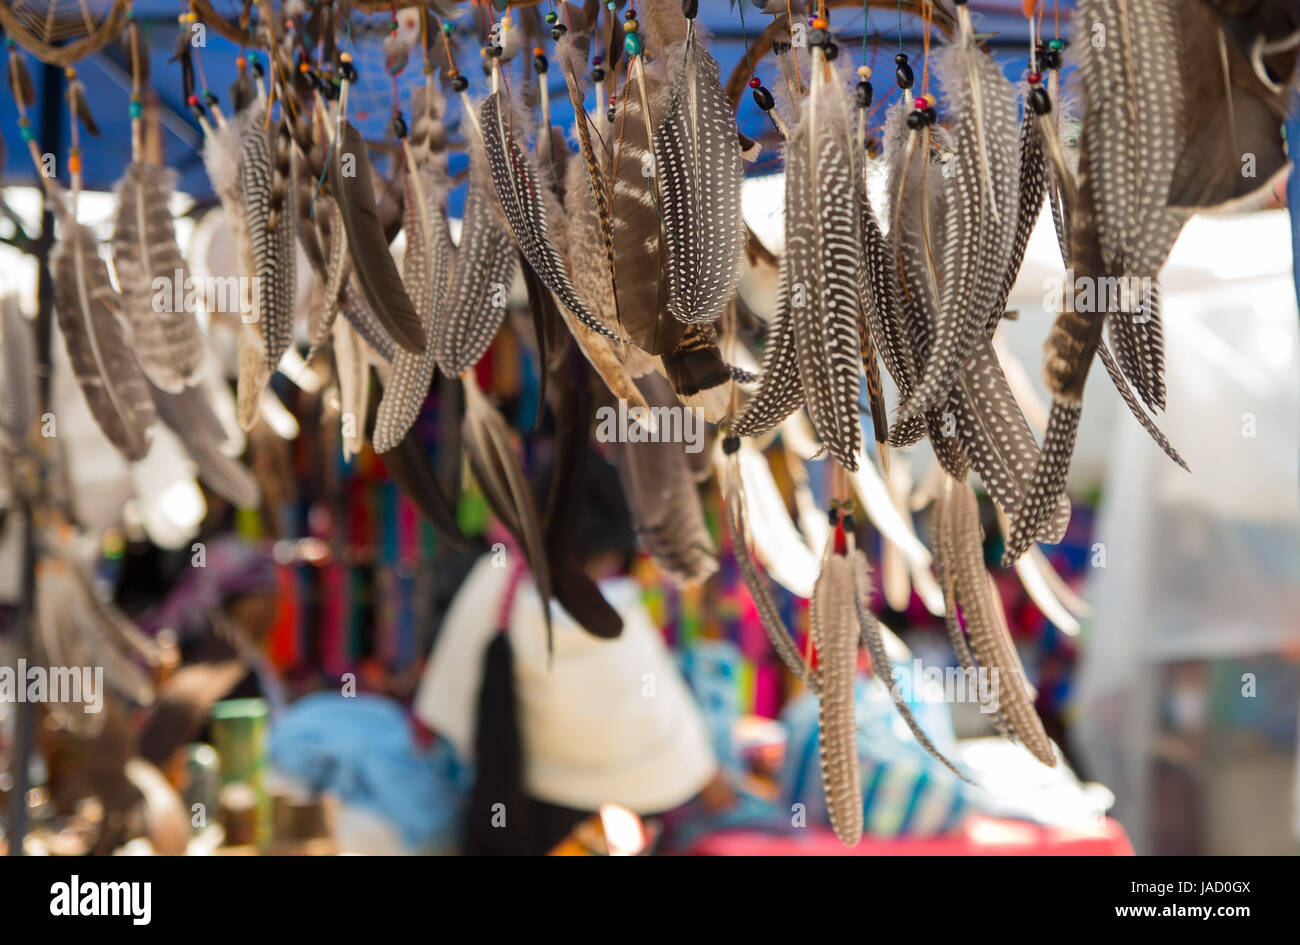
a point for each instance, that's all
(996, 437)
(271, 241)
(881, 665)
(833, 621)
(86, 306)
(1135, 408)
(350, 181)
(1138, 340)
(779, 393)
(983, 174)
(822, 246)
(164, 335)
(697, 159)
(986, 629)
(525, 200)
(485, 264)
(426, 271)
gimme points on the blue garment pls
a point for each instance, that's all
(362, 749)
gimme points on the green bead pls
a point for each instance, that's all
(446, 28)
(632, 42)
(136, 110)
(611, 6)
(551, 17)
(1055, 44)
(26, 132)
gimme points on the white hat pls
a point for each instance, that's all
(609, 721)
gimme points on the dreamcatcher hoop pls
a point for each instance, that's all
(37, 25)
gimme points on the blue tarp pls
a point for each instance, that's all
(108, 83)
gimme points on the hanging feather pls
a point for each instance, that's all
(79, 107)
(881, 665)
(782, 640)
(372, 263)
(598, 188)
(832, 618)
(352, 370)
(496, 467)
(697, 160)
(407, 464)
(336, 267)
(977, 240)
(485, 265)
(640, 255)
(426, 272)
(524, 200)
(577, 593)
(20, 80)
(817, 317)
(164, 335)
(986, 629)
(87, 309)
(1138, 341)
(662, 496)
(190, 416)
(253, 376)
(18, 407)
(269, 218)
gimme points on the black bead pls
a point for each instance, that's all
(459, 83)
(730, 444)
(818, 37)
(849, 524)
(901, 59)
(558, 30)
(915, 120)
(831, 51)
(197, 112)
(493, 52)
(329, 88)
(780, 48)
(210, 98)
(541, 64)
(904, 75)
(611, 114)
(258, 71)
(398, 126)
(1052, 59)
(763, 98)
(1039, 101)
(833, 516)
(348, 72)
(865, 93)
(690, 9)
(597, 74)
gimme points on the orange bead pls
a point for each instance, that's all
(820, 24)
(74, 163)
(1029, 8)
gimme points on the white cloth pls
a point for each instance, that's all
(612, 721)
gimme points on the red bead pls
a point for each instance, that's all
(755, 82)
(921, 104)
(192, 101)
(1034, 78)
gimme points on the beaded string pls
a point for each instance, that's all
(798, 77)
(762, 97)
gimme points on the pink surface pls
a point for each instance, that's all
(982, 836)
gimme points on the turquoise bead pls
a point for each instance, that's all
(633, 44)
